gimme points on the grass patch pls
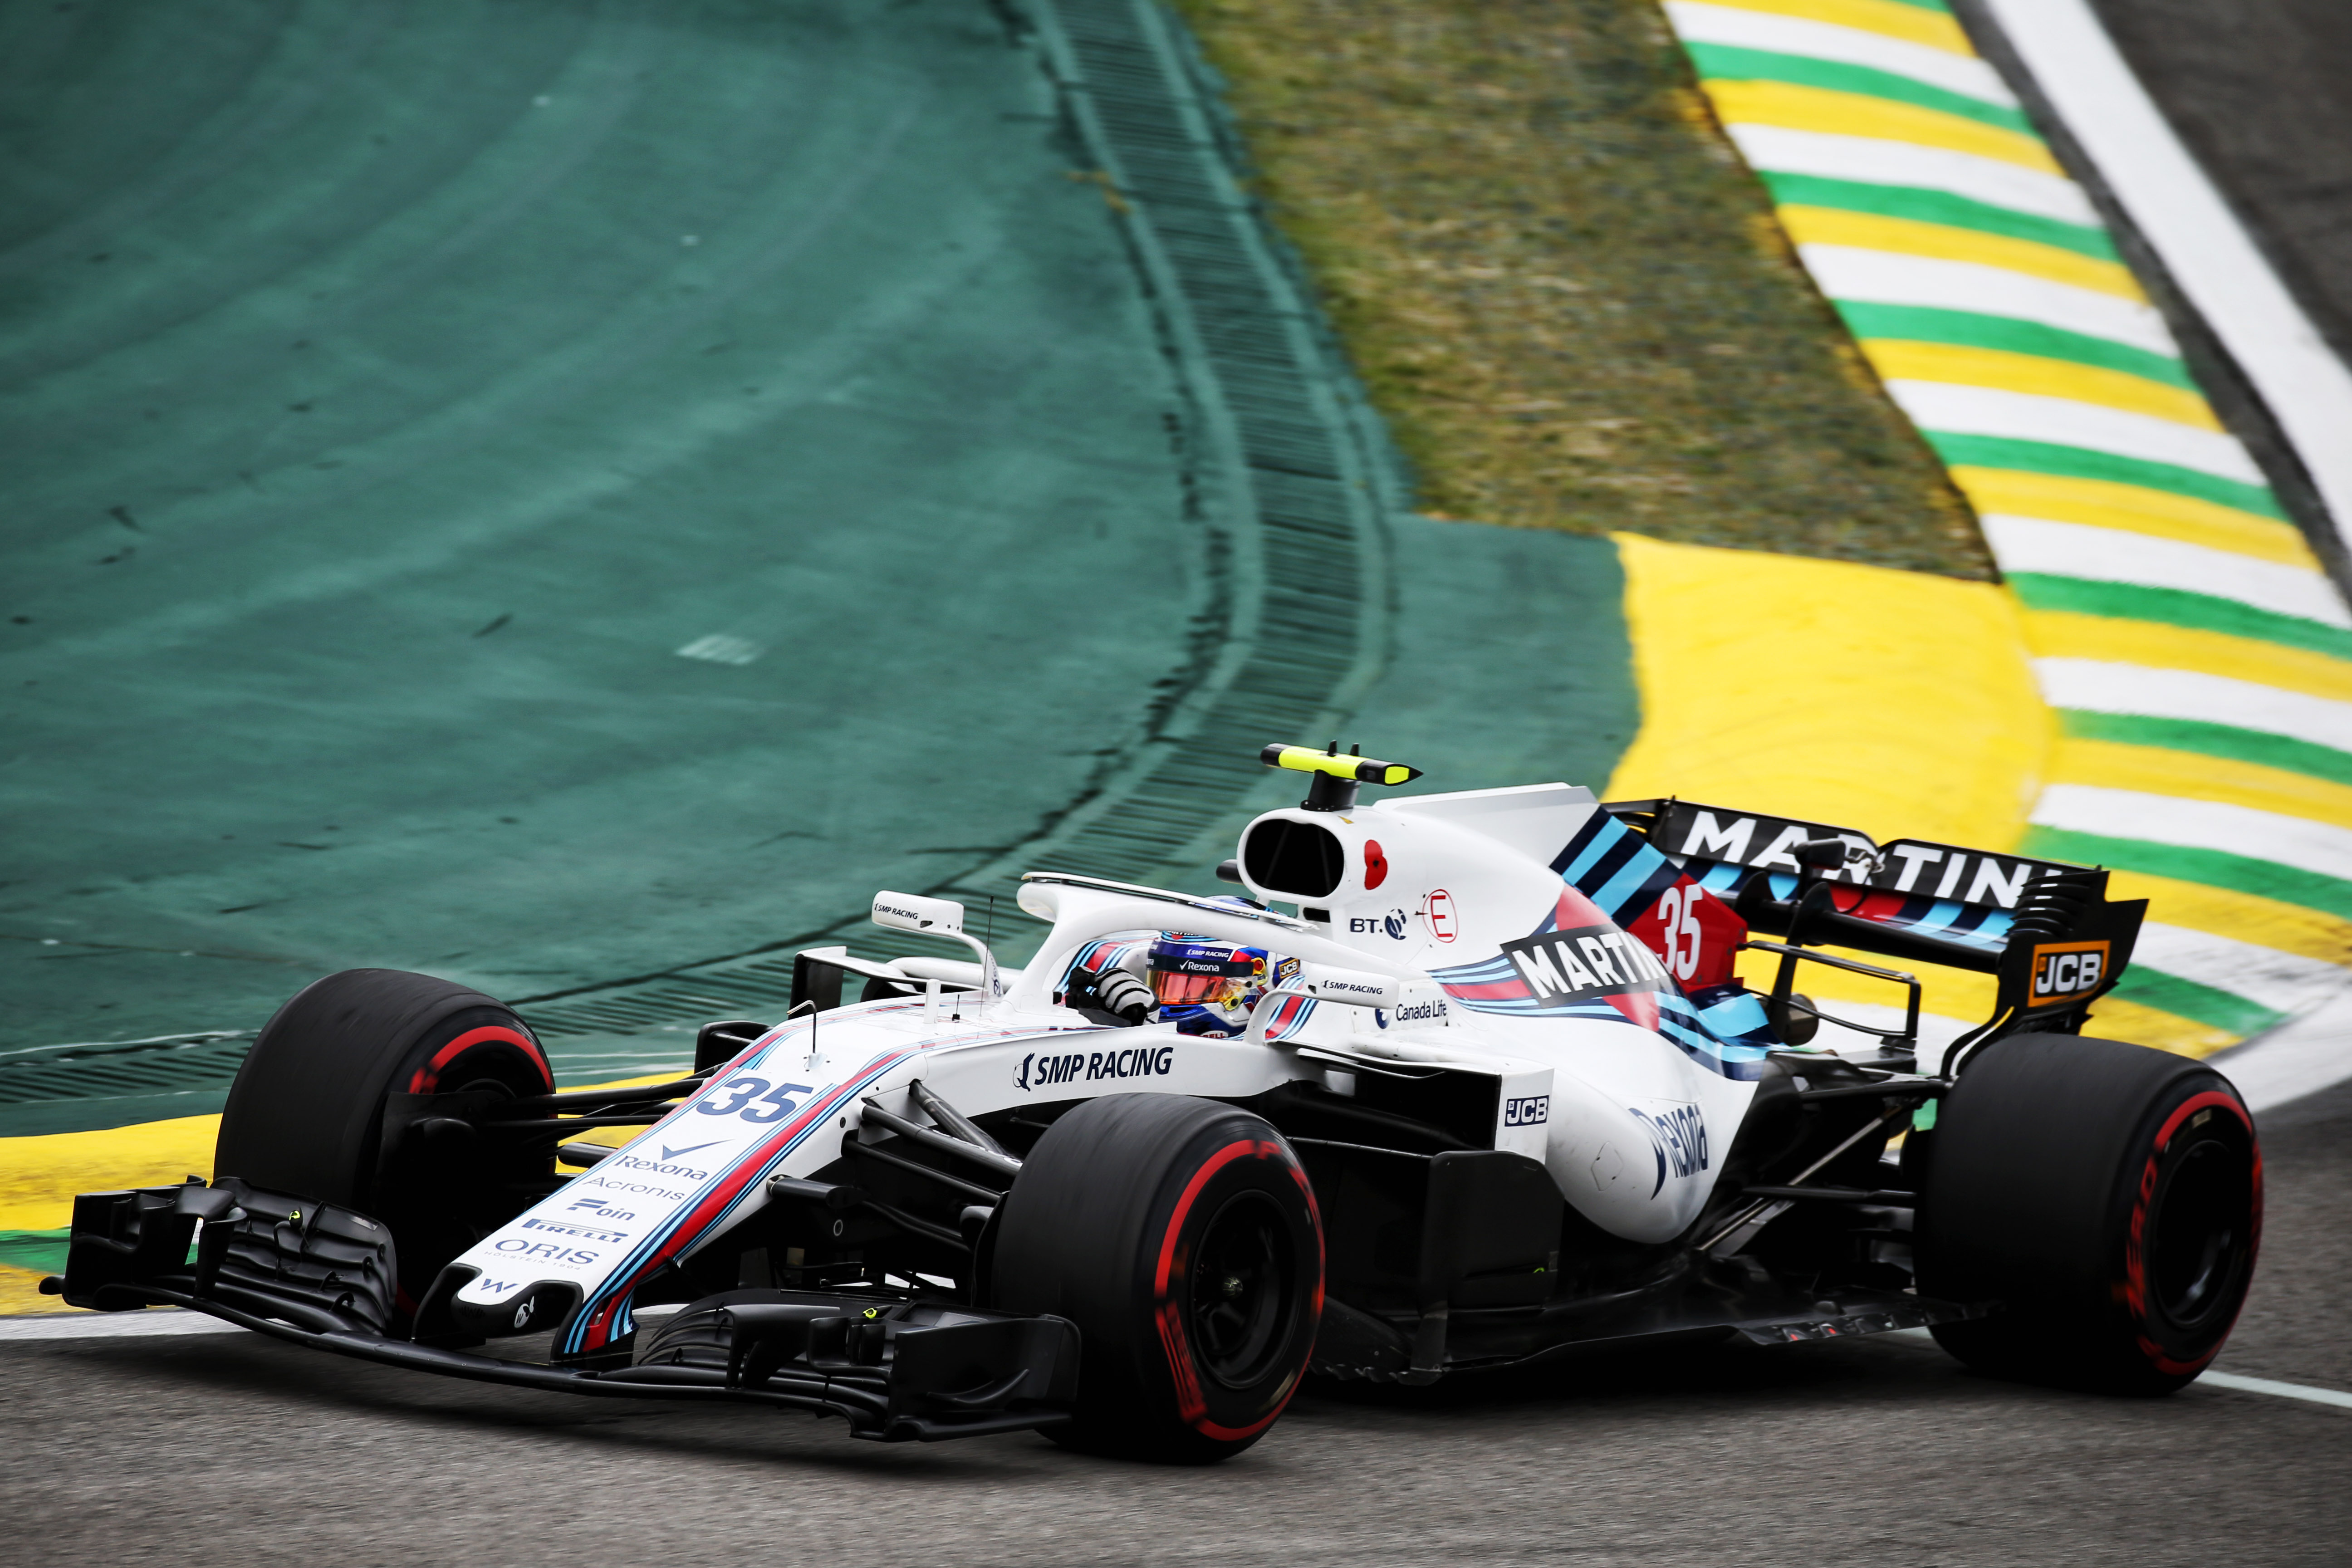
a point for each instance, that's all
(1562, 287)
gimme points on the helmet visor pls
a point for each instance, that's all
(1175, 990)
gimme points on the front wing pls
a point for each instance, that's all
(321, 1275)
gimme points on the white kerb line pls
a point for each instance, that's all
(2228, 1380)
(2209, 255)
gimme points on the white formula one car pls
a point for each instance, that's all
(1492, 1094)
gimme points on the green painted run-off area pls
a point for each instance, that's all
(555, 494)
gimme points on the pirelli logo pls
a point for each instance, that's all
(2065, 972)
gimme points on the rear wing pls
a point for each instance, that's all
(2047, 930)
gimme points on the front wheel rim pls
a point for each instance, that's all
(1243, 1291)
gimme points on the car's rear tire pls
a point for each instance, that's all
(306, 1115)
(2108, 1197)
(1181, 1236)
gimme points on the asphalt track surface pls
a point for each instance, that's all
(2262, 93)
(233, 1450)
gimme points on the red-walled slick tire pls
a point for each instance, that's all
(1181, 1236)
(307, 1115)
(2107, 1196)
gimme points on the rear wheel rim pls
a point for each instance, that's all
(2199, 1229)
(1245, 1292)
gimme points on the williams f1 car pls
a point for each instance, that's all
(1454, 1081)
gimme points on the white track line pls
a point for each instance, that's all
(112, 1325)
(2301, 1057)
(2308, 389)
(2230, 1380)
(2271, 1385)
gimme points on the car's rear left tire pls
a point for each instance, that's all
(2107, 1196)
(1181, 1236)
(306, 1116)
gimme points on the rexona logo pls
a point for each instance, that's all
(1090, 1067)
(2065, 972)
(1587, 961)
(1391, 925)
(658, 1167)
(1531, 1110)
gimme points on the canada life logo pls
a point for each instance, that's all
(1437, 913)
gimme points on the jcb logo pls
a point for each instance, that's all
(2066, 972)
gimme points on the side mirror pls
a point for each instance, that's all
(1353, 987)
(909, 912)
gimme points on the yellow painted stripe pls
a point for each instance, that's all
(2098, 503)
(1910, 22)
(2054, 634)
(2116, 1019)
(39, 1175)
(2221, 911)
(2155, 770)
(1819, 108)
(1762, 688)
(1944, 242)
(2007, 371)
(20, 1293)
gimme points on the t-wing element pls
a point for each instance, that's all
(936, 917)
(1333, 787)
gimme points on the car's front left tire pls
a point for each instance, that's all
(1181, 1236)
(308, 1113)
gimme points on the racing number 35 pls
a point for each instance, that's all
(751, 1098)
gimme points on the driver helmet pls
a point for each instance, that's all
(1207, 986)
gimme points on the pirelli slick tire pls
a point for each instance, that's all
(1181, 1236)
(308, 1113)
(2107, 1196)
